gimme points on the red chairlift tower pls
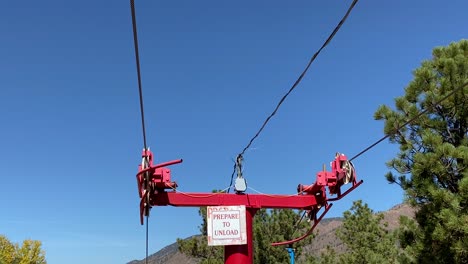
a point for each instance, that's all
(161, 191)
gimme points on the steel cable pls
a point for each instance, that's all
(298, 80)
(409, 121)
(142, 113)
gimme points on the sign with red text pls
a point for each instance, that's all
(226, 225)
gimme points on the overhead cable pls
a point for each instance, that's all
(142, 113)
(409, 121)
(298, 80)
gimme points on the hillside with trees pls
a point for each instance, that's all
(324, 240)
(269, 226)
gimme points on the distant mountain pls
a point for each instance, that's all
(324, 235)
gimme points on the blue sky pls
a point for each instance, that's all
(212, 71)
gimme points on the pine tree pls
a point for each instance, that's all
(366, 237)
(431, 165)
(198, 246)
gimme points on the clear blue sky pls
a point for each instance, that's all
(212, 71)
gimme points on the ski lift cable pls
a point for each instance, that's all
(142, 113)
(295, 84)
(409, 121)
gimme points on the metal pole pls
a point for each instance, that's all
(236, 254)
(291, 252)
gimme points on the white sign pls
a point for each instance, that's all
(226, 225)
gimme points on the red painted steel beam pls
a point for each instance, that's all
(302, 202)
